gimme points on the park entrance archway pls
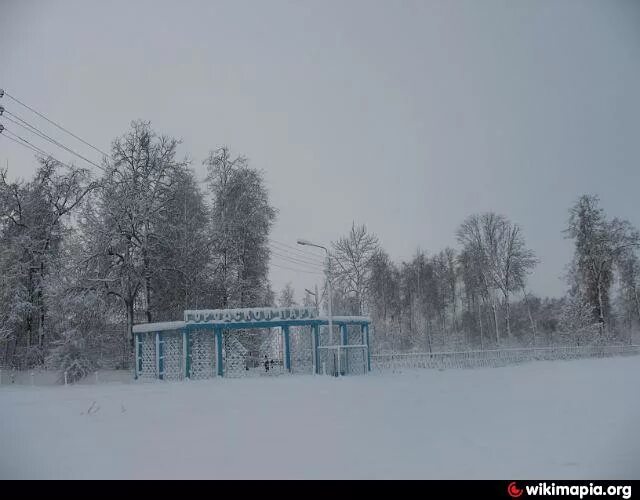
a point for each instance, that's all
(251, 342)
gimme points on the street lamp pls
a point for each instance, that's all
(309, 244)
(314, 294)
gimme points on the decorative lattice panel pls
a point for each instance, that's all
(173, 363)
(324, 337)
(148, 356)
(203, 355)
(253, 353)
(301, 346)
(356, 359)
(272, 346)
(351, 360)
(327, 358)
(328, 361)
(235, 355)
(354, 335)
(356, 356)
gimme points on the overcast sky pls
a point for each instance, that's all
(404, 115)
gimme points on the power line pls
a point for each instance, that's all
(54, 123)
(30, 128)
(296, 260)
(23, 123)
(310, 258)
(26, 144)
(29, 144)
(302, 263)
(296, 265)
(289, 247)
(30, 148)
(296, 257)
(296, 270)
(319, 258)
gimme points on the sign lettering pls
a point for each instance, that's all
(249, 315)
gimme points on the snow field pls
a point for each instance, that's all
(560, 419)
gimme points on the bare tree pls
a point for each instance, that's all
(353, 255)
(478, 235)
(513, 263)
(498, 249)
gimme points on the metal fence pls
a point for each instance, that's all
(40, 377)
(495, 357)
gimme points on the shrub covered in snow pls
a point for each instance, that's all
(71, 355)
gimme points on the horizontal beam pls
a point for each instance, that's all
(158, 327)
(271, 324)
(243, 325)
(342, 346)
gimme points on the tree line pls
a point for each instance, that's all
(476, 296)
(83, 257)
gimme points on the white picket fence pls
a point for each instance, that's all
(495, 357)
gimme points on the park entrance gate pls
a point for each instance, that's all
(254, 341)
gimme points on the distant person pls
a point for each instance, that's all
(266, 363)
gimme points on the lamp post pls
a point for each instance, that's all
(309, 244)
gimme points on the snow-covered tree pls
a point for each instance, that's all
(629, 271)
(180, 260)
(577, 326)
(599, 244)
(33, 219)
(385, 302)
(287, 296)
(123, 224)
(241, 219)
(81, 317)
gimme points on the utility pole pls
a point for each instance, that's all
(316, 296)
(308, 243)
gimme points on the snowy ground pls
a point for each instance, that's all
(571, 419)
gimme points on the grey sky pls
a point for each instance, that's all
(404, 115)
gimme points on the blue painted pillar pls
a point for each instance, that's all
(287, 348)
(186, 353)
(160, 355)
(218, 333)
(316, 340)
(363, 341)
(138, 351)
(344, 340)
(366, 336)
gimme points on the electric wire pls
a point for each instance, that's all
(34, 130)
(296, 260)
(26, 144)
(41, 115)
(295, 270)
